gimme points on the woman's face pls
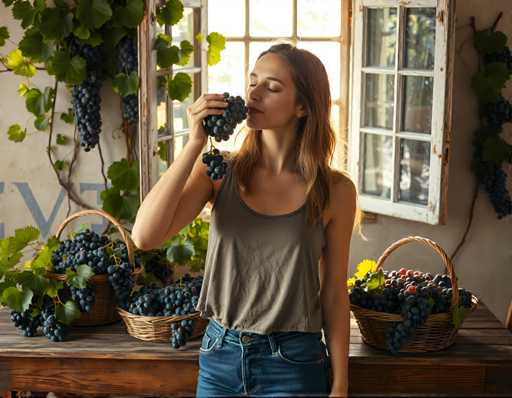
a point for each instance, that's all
(271, 95)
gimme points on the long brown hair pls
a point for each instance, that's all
(315, 143)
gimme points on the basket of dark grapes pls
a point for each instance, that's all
(109, 264)
(166, 314)
(408, 310)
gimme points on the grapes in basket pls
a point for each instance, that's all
(178, 298)
(412, 294)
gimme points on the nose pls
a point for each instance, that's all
(253, 93)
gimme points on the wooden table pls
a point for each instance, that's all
(106, 360)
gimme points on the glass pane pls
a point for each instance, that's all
(255, 49)
(184, 30)
(335, 122)
(217, 17)
(163, 156)
(417, 104)
(179, 116)
(270, 18)
(414, 171)
(179, 144)
(319, 18)
(228, 74)
(161, 118)
(378, 165)
(161, 93)
(378, 101)
(420, 38)
(381, 36)
(329, 54)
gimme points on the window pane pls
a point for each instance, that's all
(217, 17)
(161, 93)
(179, 115)
(161, 118)
(420, 38)
(184, 30)
(255, 49)
(378, 101)
(270, 18)
(381, 36)
(179, 144)
(228, 74)
(414, 171)
(163, 156)
(329, 54)
(417, 104)
(378, 165)
(319, 18)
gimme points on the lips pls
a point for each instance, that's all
(253, 110)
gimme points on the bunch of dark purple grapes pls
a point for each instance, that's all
(222, 126)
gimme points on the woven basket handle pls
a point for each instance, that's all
(126, 237)
(438, 249)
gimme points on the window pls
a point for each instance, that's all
(163, 126)
(321, 27)
(400, 106)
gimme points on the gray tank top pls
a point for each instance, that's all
(261, 272)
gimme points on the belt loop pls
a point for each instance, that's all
(223, 333)
(273, 344)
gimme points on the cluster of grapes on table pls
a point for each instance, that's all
(412, 294)
(221, 127)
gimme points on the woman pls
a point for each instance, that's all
(278, 247)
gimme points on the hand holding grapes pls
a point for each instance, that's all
(205, 105)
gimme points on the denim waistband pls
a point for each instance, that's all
(242, 337)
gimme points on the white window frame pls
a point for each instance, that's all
(149, 161)
(435, 210)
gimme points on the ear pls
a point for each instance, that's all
(300, 111)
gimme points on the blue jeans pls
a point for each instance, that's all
(234, 363)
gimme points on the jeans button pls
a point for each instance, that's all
(245, 338)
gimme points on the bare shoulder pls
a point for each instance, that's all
(342, 192)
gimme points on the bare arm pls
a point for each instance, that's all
(178, 197)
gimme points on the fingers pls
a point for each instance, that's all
(206, 101)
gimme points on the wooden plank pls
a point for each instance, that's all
(396, 379)
(498, 380)
(89, 376)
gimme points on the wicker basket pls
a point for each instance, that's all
(103, 311)
(158, 328)
(438, 331)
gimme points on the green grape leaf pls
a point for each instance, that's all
(8, 3)
(124, 84)
(17, 300)
(68, 117)
(186, 50)
(131, 14)
(67, 313)
(34, 101)
(180, 86)
(4, 35)
(70, 70)
(41, 123)
(129, 207)
(19, 64)
(489, 82)
(162, 150)
(488, 42)
(170, 13)
(48, 97)
(23, 10)
(80, 278)
(43, 261)
(82, 32)
(16, 134)
(62, 139)
(95, 39)
(60, 165)
(112, 35)
(376, 281)
(33, 46)
(458, 314)
(35, 282)
(124, 175)
(53, 288)
(165, 57)
(56, 23)
(216, 43)
(180, 253)
(111, 200)
(22, 89)
(93, 13)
